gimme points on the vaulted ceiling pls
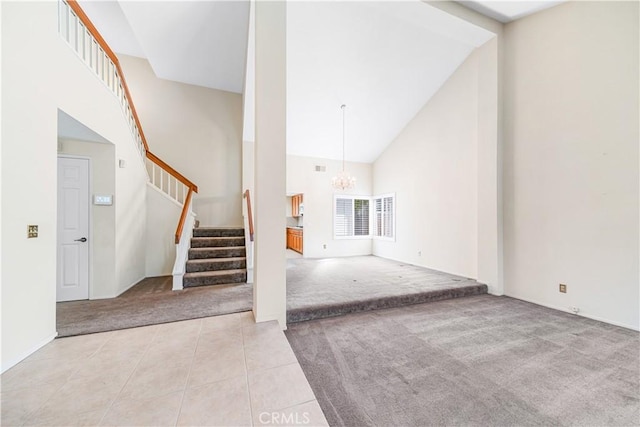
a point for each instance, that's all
(507, 11)
(202, 43)
(384, 60)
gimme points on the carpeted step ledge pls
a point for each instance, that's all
(224, 277)
(330, 310)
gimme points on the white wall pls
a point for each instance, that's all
(318, 204)
(198, 131)
(288, 207)
(248, 166)
(270, 287)
(103, 218)
(31, 96)
(163, 214)
(571, 159)
(490, 143)
(432, 166)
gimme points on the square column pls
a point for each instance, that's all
(269, 288)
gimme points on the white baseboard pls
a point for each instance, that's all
(7, 365)
(110, 296)
(135, 282)
(567, 310)
(497, 294)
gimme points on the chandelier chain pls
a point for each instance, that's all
(344, 107)
(343, 181)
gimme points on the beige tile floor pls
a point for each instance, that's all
(217, 371)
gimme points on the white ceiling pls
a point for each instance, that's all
(109, 19)
(507, 11)
(70, 128)
(383, 60)
(202, 43)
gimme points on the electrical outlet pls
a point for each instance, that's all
(324, 246)
(575, 310)
(563, 288)
(419, 253)
(32, 231)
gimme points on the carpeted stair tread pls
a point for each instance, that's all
(217, 252)
(214, 273)
(205, 242)
(217, 257)
(338, 309)
(216, 264)
(218, 232)
(203, 278)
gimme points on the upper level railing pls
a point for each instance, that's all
(77, 29)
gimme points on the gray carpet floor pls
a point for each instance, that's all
(334, 286)
(151, 302)
(315, 288)
(480, 360)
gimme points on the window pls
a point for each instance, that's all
(351, 217)
(361, 217)
(384, 216)
(364, 217)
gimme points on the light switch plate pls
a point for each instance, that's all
(32, 231)
(103, 199)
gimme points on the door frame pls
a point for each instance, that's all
(90, 187)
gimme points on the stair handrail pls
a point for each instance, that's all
(177, 175)
(187, 201)
(118, 77)
(247, 195)
(183, 215)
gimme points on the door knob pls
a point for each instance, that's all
(83, 239)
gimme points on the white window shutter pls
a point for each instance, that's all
(388, 217)
(361, 217)
(377, 217)
(343, 219)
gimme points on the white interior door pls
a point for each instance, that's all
(73, 229)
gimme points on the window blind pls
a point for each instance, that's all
(388, 216)
(383, 220)
(364, 217)
(361, 217)
(343, 220)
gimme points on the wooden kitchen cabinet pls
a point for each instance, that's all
(294, 239)
(296, 201)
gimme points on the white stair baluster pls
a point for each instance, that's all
(87, 47)
(72, 30)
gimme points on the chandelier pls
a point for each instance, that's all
(343, 181)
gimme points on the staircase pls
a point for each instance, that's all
(217, 257)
